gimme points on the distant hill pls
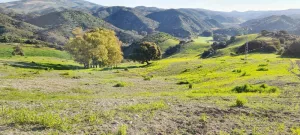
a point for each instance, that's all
(59, 25)
(127, 19)
(180, 24)
(47, 6)
(15, 28)
(272, 23)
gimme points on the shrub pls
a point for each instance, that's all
(264, 88)
(147, 78)
(262, 69)
(237, 71)
(183, 82)
(186, 70)
(120, 84)
(240, 102)
(263, 65)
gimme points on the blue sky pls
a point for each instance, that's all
(220, 5)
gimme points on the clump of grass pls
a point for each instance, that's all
(145, 107)
(262, 69)
(122, 130)
(245, 74)
(296, 130)
(81, 91)
(31, 117)
(147, 78)
(240, 102)
(186, 70)
(204, 117)
(183, 82)
(70, 75)
(121, 84)
(264, 88)
(237, 71)
(263, 65)
(10, 89)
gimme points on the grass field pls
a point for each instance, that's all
(47, 93)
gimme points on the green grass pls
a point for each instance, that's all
(168, 43)
(6, 50)
(145, 107)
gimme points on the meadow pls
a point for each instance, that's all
(46, 92)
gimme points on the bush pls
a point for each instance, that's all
(264, 88)
(237, 71)
(240, 102)
(262, 69)
(147, 78)
(183, 82)
(120, 84)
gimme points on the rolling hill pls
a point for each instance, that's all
(48, 6)
(272, 23)
(59, 25)
(180, 24)
(15, 28)
(127, 19)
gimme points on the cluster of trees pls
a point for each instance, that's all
(100, 47)
(217, 45)
(144, 52)
(97, 47)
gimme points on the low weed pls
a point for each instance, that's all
(145, 107)
(262, 69)
(122, 130)
(264, 88)
(81, 91)
(240, 102)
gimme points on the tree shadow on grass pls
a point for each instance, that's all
(124, 68)
(44, 66)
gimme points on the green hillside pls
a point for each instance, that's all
(31, 51)
(59, 26)
(14, 28)
(129, 19)
(179, 24)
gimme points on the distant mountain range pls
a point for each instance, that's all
(53, 20)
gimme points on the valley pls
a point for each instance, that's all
(75, 67)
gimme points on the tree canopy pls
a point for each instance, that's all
(144, 52)
(96, 47)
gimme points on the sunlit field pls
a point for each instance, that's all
(46, 92)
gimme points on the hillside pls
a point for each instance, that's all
(272, 23)
(59, 25)
(48, 6)
(128, 19)
(179, 24)
(16, 29)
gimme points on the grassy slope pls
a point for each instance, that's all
(6, 50)
(233, 47)
(168, 43)
(155, 106)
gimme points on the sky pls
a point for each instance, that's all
(218, 5)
